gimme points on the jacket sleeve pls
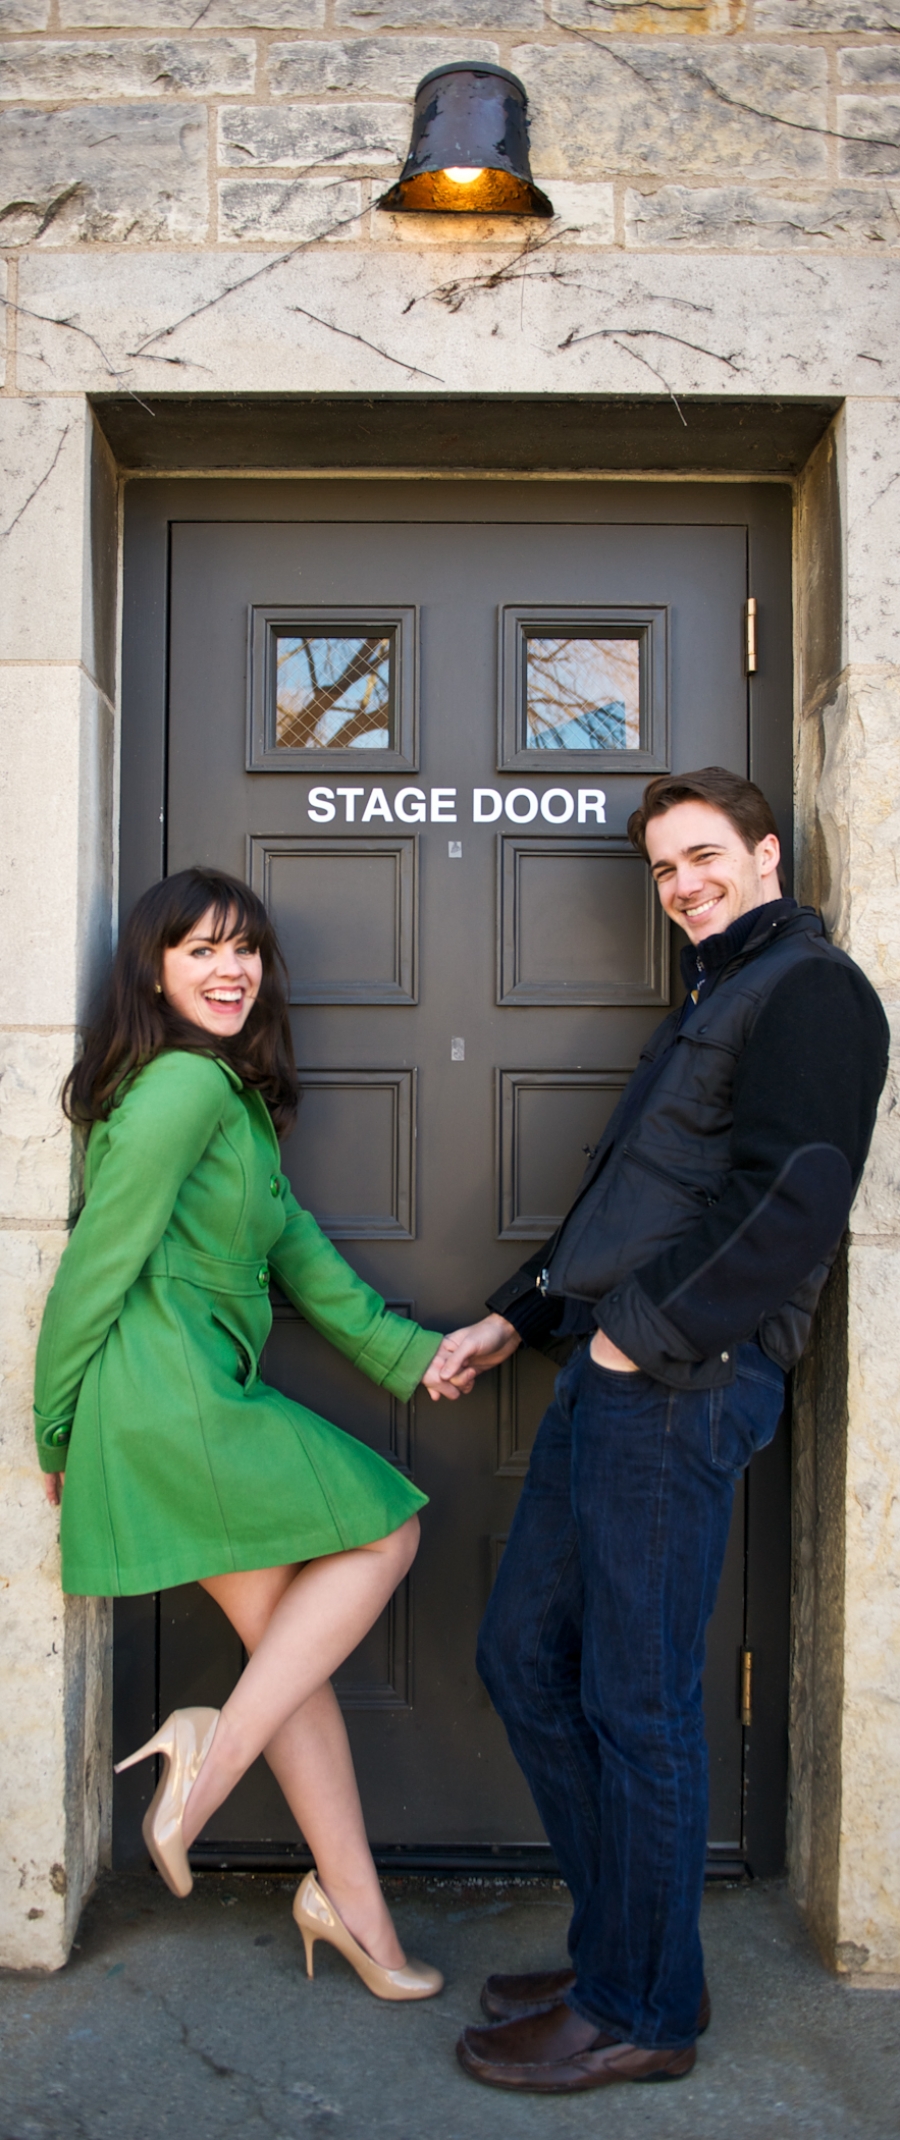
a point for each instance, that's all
(533, 1314)
(155, 1136)
(805, 1096)
(393, 1351)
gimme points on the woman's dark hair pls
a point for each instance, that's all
(740, 800)
(135, 1022)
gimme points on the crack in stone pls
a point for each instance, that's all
(46, 211)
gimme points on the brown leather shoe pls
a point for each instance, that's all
(513, 1998)
(557, 2053)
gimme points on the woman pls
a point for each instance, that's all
(182, 1464)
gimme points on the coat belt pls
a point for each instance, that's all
(216, 1274)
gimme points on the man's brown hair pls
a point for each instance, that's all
(741, 801)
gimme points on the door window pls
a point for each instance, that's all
(326, 685)
(587, 685)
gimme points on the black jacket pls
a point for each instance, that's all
(715, 1202)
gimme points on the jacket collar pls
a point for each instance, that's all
(230, 1073)
(703, 964)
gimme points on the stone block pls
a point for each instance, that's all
(873, 125)
(127, 67)
(872, 509)
(821, 16)
(871, 66)
(124, 173)
(859, 815)
(55, 842)
(366, 66)
(185, 14)
(869, 1882)
(46, 613)
(584, 215)
(646, 105)
(277, 134)
(757, 324)
(35, 1138)
(23, 15)
(444, 14)
(32, 1736)
(286, 209)
(825, 218)
(877, 1206)
(696, 18)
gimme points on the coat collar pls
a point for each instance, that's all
(703, 963)
(230, 1073)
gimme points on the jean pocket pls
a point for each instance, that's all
(743, 1417)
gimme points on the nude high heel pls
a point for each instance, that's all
(318, 1919)
(184, 1739)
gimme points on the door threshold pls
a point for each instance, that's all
(527, 1860)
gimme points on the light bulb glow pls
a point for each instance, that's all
(463, 174)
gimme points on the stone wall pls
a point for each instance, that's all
(708, 125)
(187, 204)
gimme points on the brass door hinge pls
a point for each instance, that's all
(750, 635)
(746, 1688)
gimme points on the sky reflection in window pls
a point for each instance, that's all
(583, 693)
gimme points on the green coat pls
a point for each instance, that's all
(181, 1462)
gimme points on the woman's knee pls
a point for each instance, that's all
(401, 1546)
(408, 1538)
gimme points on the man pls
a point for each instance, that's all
(688, 1269)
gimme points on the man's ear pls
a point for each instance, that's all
(768, 854)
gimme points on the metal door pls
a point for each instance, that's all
(417, 717)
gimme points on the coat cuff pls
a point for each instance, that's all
(52, 1437)
(647, 1337)
(405, 1371)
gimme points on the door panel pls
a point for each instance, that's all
(454, 695)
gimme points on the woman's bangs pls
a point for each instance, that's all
(235, 910)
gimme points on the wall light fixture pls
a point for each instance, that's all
(468, 154)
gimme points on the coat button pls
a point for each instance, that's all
(262, 1275)
(59, 1436)
(275, 1186)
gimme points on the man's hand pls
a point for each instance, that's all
(53, 1486)
(469, 1352)
(606, 1354)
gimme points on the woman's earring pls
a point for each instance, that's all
(159, 988)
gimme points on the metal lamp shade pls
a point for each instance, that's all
(469, 149)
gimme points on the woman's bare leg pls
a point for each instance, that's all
(299, 1626)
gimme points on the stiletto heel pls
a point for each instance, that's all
(318, 1919)
(184, 1741)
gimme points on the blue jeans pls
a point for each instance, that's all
(592, 1650)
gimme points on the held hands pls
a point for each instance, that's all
(467, 1353)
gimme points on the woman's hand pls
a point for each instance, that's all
(53, 1486)
(469, 1352)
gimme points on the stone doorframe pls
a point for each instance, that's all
(58, 668)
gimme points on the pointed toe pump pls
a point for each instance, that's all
(318, 1919)
(184, 1741)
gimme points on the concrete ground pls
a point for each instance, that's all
(196, 2020)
